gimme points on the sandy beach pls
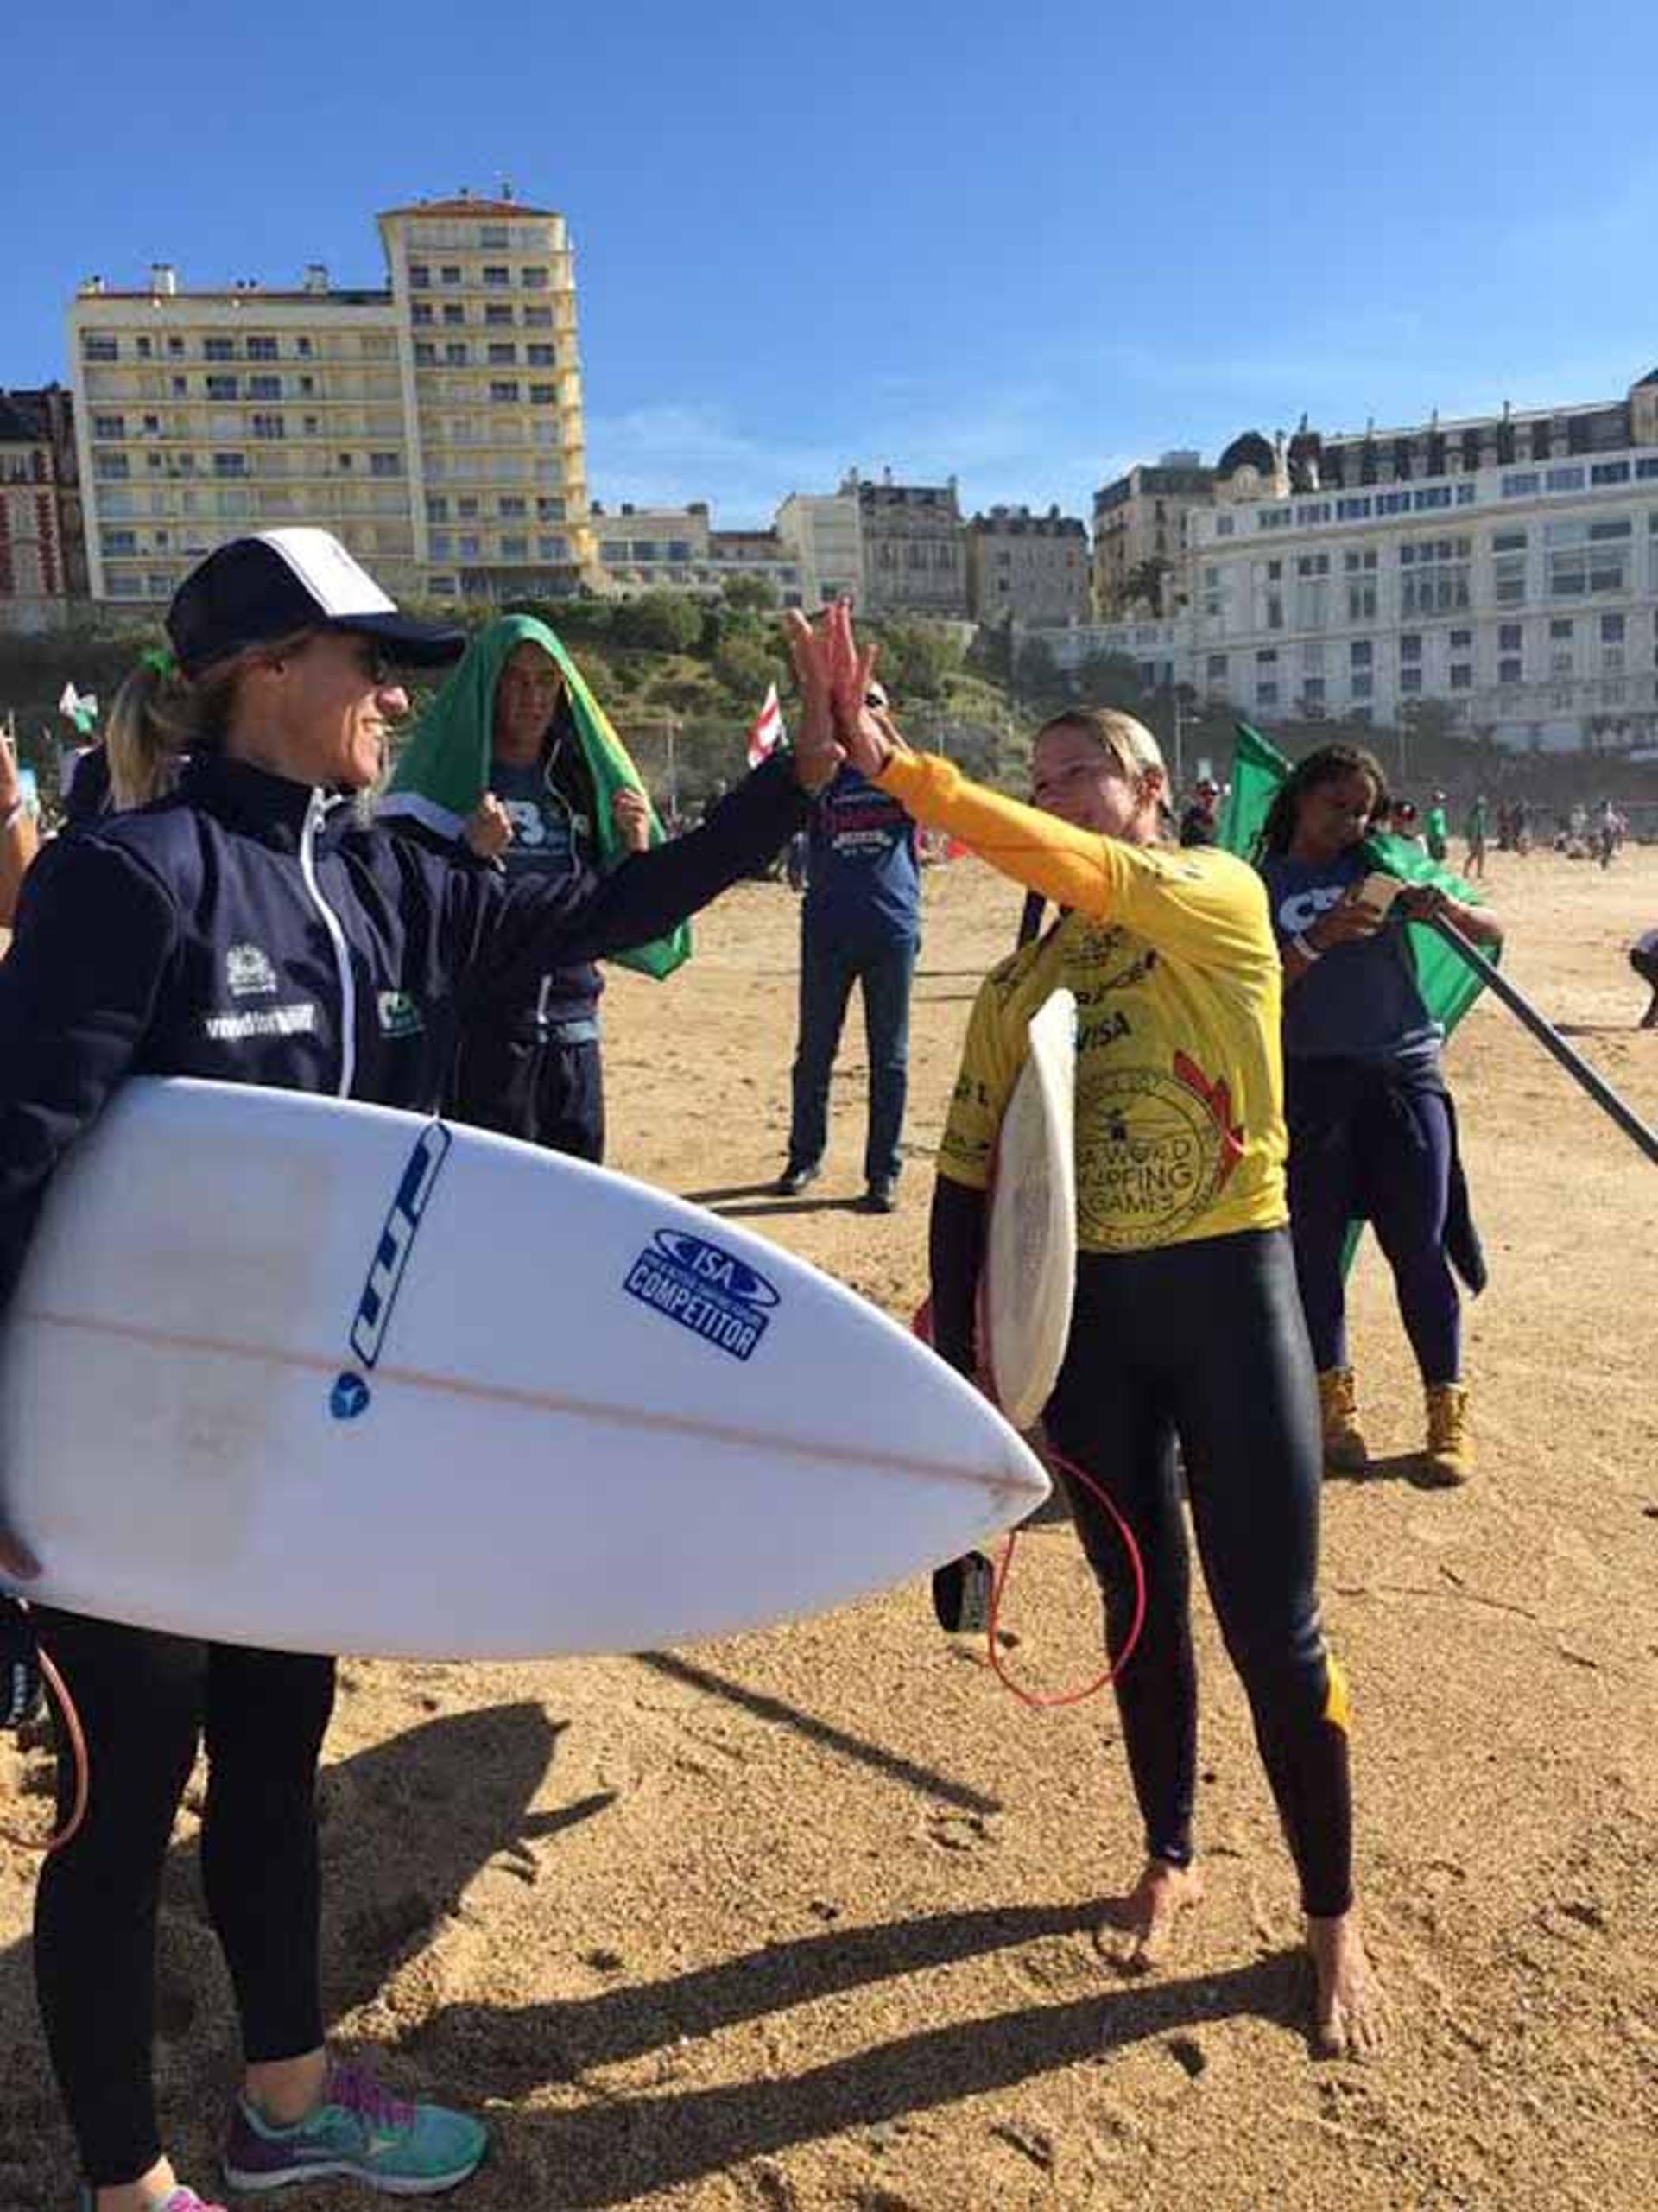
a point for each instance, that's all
(806, 1919)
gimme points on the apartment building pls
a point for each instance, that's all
(1140, 525)
(914, 560)
(823, 534)
(1028, 568)
(42, 549)
(1507, 566)
(435, 424)
(677, 549)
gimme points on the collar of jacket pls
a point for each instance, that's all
(270, 808)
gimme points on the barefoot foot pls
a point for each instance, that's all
(1350, 2017)
(1140, 1928)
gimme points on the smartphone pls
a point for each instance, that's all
(1377, 892)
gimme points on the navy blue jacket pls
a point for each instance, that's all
(250, 930)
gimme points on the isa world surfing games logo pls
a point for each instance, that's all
(716, 1296)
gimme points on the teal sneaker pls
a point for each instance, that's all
(359, 2132)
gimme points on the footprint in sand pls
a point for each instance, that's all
(957, 1831)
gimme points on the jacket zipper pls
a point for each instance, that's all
(313, 817)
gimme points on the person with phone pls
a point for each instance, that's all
(19, 836)
(1372, 1128)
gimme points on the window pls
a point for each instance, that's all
(219, 349)
(552, 548)
(504, 389)
(1364, 684)
(1317, 512)
(502, 356)
(538, 318)
(426, 354)
(1276, 518)
(549, 511)
(1610, 472)
(1361, 653)
(1466, 494)
(1224, 525)
(467, 510)
(1585, 557)
(543, 395)
(1313, 658)
(454, 313)
(1462, 640)
(441, 545)
(540, 357)
(420, 276)
(110, 468)
(264, 387)
(497, 315)
(1564, 479)
(269, 426)
(1217, 669)
(512, 510)
(1521, 484)
(109, 425)
(1434, 577)
(1612, 630)
(1266, 694)
(493, 236)
(180, 386)
(1561, 626)
(1462, 676)
(1410, 679)
(455, 353)
(1266, 656)
(1356, 510)
(437, 507)
(1508, 638)
(117, 542)
(221, 387)
(230, 463)
(146, 348)
(1648, 467)
(1432, 495)
(303, 347)
(496, 278)
(1313, 691)
(385, 464)
(1410, 645)
(514, 548)
(469, 548)
(261, 349)
(420, 313)
(1509, 670)
(1393, 502)
(535, 280)
(449, 274)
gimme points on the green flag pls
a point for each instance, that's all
(1449, 986)
(444, 769)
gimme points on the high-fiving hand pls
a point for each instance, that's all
(837, 677)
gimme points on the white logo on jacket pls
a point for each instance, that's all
(249, 973)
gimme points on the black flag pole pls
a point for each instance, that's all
(1551, 1039)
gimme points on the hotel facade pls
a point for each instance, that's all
(435, 425)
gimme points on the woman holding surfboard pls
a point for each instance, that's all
(1186, 1321)
(254, 928)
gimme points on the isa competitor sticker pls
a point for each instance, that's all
(351, 1393)
(715, 1296)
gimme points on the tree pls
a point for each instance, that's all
(1143, 585)
(1111, 680)
(752, 594)
(659, 622)
(915, 658)
(1035, 671)
(745, 663)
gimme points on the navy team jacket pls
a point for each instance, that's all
(250, 930)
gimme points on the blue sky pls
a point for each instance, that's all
(1028, 252)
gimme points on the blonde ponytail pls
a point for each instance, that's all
(159, 715)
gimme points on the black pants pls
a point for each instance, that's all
(144, 1701)
(1206, 1341)
(545, 1091)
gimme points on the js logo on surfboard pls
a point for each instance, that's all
(716, 1296)
(351, 1393)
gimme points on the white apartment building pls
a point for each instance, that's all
(823, 532)
(677, 549)
(435, 425)
(1508, 567)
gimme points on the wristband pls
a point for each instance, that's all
(1308, 951)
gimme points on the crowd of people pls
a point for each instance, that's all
(1256, 1070)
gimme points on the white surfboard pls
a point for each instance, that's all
(322, 1377)
(1028, 1281)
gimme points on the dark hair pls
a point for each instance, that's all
(1329, 764)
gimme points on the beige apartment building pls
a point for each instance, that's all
(914, 559)
(1028, 568)
(42, 551)
(823, 531)
(1141, 525)
(434, 425)
(677, 549)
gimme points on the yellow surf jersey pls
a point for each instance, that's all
(1180, 1071)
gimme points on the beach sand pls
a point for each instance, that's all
(806, 1919)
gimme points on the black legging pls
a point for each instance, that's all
(144, 1698)
(1205, 1341)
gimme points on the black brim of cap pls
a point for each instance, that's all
(414, 644)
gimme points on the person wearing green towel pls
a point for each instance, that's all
(515, 760)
